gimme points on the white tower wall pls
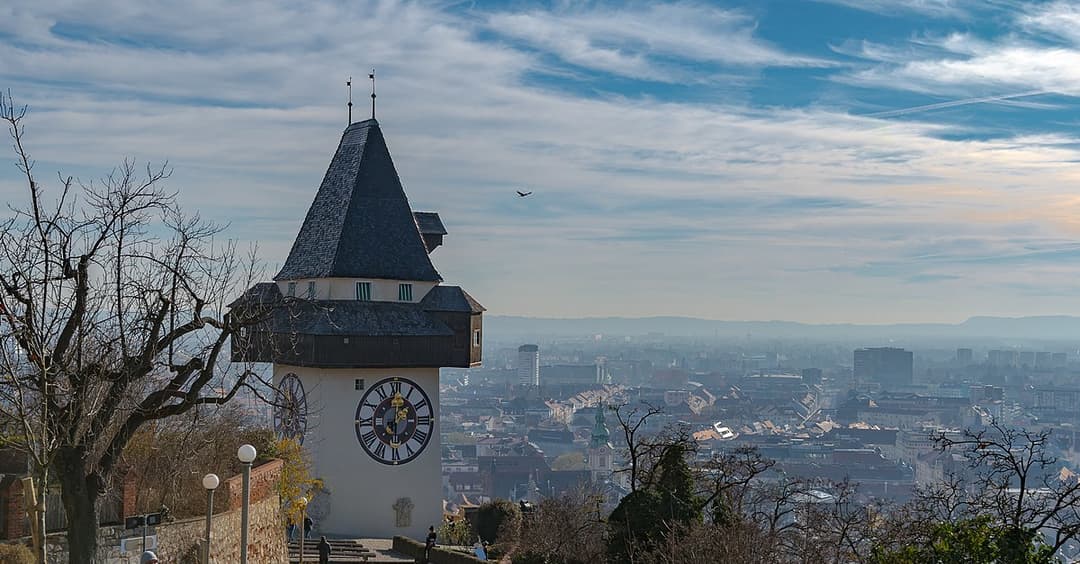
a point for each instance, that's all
(362, 491)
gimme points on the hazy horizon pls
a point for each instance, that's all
(835, 161)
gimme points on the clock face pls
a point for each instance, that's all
(290, 408)
(394, 421)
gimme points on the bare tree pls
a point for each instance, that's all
(112, 314)
(1014, 481)
(633, 423)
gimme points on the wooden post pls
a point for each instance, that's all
(30, 501)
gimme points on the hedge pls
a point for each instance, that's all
(415, 549)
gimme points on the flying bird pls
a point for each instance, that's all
(523, 194)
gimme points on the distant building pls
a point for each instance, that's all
(1044, 360)
(528, 365)
(887, 366)
(600, 458)
(811, 376)
(964, 357)
(1002, 358)
(1027, 358)
(1059, 360)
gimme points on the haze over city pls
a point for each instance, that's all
(836, 161)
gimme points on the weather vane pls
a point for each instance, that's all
(372, 77)
(348, 83)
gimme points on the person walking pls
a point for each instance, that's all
(148, 557)
(308, 524)
(429, 544)
(324, 550)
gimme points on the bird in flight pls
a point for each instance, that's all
(523, 194)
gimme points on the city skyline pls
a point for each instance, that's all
(836, 161)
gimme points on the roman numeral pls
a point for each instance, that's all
(395, 455)
(420, 436)
(382, 394)
(411, 390)
(423, 420)
(380, 451)
(420, 404)
(364, 421)
(368, 438)
(395, 387)
(371, 405)
(408, 450)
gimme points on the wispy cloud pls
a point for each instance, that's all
(646, 41)
(936, 8)
(642, 203)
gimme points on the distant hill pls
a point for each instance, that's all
(1058, 327)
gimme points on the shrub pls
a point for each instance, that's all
(15, 554)
(499, 521)
(456, 532)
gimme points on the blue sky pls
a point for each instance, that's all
(836, 160)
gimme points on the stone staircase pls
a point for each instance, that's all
(345, 551)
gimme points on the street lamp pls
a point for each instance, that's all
(210, 482)
(303, 517)
(246, 454)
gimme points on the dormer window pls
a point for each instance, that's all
(363, 291)
(292, 290)
(404, 292)
(311, 290)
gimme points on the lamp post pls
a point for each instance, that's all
(246, 454)
(210, 482)
(303, 517)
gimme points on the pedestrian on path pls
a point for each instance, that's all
(308, 523)
(429, 544)
(324, 550)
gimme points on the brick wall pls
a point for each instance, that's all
(264, 479)
(15, 522)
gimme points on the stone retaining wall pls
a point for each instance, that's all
(180, 542)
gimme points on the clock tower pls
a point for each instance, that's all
(358, 324)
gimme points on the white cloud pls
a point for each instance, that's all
(639, 41)
(641, 206)
(936, 8)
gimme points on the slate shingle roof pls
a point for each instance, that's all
(372, 319)
(429, 223)
(360, 224)
(450, 298)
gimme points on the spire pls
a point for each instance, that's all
(600, 433)
(348, 83)
(372, 77)
(360, 224)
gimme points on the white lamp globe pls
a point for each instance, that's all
(210, 481)
(303, 501)
(246, 454)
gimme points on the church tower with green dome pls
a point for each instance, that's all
(600, 457)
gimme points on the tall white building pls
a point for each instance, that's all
(528, 365)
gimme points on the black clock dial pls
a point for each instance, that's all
(394, 421)
(290, 408)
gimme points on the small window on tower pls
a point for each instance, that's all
(292, 289)
(359, 383)
(363, 291)
(311, 290)
(476, 338)
(404, 292)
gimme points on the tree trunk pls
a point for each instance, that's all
(80, 491)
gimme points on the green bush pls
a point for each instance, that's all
(15, 554)
(498, 521)
(457, 532)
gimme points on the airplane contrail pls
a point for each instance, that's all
(954, 103)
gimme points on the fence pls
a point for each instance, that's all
(110, 510)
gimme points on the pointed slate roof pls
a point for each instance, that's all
(360, 224)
